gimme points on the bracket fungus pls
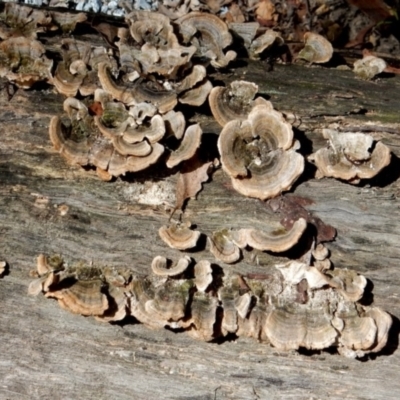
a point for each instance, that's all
(268, 309)
(259, 153)
(209, 34)
(233, 102)
(80, 289)
(23, 61)
(203, 275)
(179, 236)
(223, 246)
(369, 66)
(188, 146)
(263, 42)
(81, 143)
(276, 239)
(159, 266)
(350, 156)
(317, 49)
(18, 20)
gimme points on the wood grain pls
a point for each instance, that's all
(48, 353)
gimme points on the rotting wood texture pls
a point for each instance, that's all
(49, 206)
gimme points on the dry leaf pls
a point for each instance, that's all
(109, 32)
(193, 173)
(96, 109)
(376, 10)
(265, 10)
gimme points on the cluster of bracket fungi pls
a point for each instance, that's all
(122, 115)
(294, 305)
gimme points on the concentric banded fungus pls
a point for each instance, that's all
(232, 300)
(138, 92)
(264, 41)
(150, 27)
(179, 236)
(141, 291)
(317, 49)
(203, 316)
(276, 239)
(369, 66)
(259, 155)
(174, 124)
(265, 307)
(159, 266)
(246, 30)
(349, 283)
(292, 326)
(3, 267)
(170, 302)
(253, 324)
(188, 146)
(67, 22)
(203, 275)
(82, 144)
(223, 247)
(82, 297)
(209, 34)
(23, 62)
(383, 322)
(359, 334)
(23, 21)
(233, 102)
(350, 156)
(70, 73)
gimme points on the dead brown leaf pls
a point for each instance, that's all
(108, 31)
(377, 10)
(96, 109)
(193, 174)
(265, 10)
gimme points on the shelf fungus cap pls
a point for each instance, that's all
(264, 41)
(203, 275)
(369, 66)
(350, 156)
(383, 322)
(223, 247)
(75, 152)
(317, 49)
(119, 164)
(170, 302)
(149, 27)
(232, 102)
(350, 284)
(82, 297)
(213, 36)
(203, 316)
(246, 30)
(290, 327)
(174, 123)
(159, 266)
(188, 146)
(259, 153)
(152, 131)
(179, 236)
(137, 92)
(359, 333)
(23, 61)
(275, 239)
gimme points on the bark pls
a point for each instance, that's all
(49, 353)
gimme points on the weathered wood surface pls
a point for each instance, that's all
(47, 353)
